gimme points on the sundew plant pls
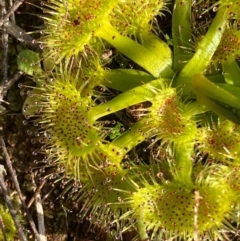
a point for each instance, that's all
(152, 147)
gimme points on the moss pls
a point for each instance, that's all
(8, 224)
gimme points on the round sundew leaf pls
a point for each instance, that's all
(228, 47)
(230, 174)
(222, 141)
(70, 136)
(132, 17)
(172, 206)
(66, 113)
(29, 62)
(74, 27)
(170, 120)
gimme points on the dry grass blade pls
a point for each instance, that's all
(5, 48)
(10, 206)
(11, 11)
(39, 208)
(197, 198)
(16, 184)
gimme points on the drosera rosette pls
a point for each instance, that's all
(74, 28)
(180, 209)
(220, 140)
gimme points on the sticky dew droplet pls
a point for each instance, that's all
(33, 141)
(36, 133)
(22, 92)
(29, 132)
(95, 190)
(30, 94)
(108, 180)
(117, 236)
(160, 175)
(41, 141)
(46, 160)
(47, 135)
(25, 108)
(25, 122)
(35, 123)
(34, 153)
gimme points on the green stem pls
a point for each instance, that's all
(232, 72)
(132, 137)
(216, 78)
(231, 89)
(219, 110)
(142, 227)
(183, 162)
(205, 50)
(125, 79)
(204, 86)
(194, 108)
(161, 50)
(131, 97)
(181, 33)
(136, 52)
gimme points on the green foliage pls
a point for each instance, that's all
(8, 224)
(28, 62)
(116, 131)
